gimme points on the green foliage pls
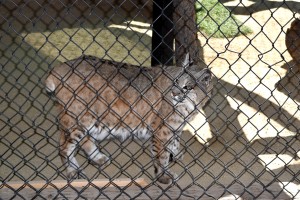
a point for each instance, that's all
(215, 20)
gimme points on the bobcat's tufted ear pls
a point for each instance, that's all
(186, 62)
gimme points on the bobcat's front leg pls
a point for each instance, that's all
(161, 142)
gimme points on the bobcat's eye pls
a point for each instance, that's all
(188, 87)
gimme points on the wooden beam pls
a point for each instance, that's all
(140, 189)
(75, 183)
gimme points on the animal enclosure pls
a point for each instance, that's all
(244, 144)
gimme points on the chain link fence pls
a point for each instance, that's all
(242, 145)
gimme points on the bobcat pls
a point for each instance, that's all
(100, 99)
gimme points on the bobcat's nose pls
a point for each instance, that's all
(177, 97)
(174, 94)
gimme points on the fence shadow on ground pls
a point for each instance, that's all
(231, 142)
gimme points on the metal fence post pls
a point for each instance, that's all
(163, 35)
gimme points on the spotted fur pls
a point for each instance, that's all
(100, 99)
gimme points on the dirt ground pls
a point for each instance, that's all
(257, 63)
(257, 95)
(247, 134)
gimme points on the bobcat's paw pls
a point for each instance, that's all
(75, 174)
(167, 178)
(103, 161)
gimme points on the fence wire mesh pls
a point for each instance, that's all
(243, 144)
